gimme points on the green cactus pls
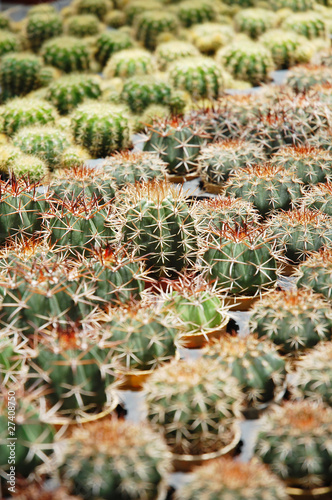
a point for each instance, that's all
(313, 376)
(67, 53)
(68, 91)
(284, 47)
(254, 22)
(74, 157)
(295, 320)
(240, 3)
(115, 19)
(135, 7)
(304, 77)
(158, 223)
(42, 27)
(13, 359)
(97, 7)
(141, 91)
(101, 128)
(8, 153)
(196, 12)
(294, 443)
(101, 449)
(131, 167)
(171, 51)
(315, 273)
(223, 478)
(201, 77)
(5, 22)
(214, 212)
(24, 111)
(171, 396)
(130, 62)
(82, 25)
(322, 139)
(217, 160)
(209, 37)
(309, 24)
(251, 61)
(150, 115)
(300, 232)
(28, 167)
(9, 42)
(110, 42)
(42, 8)
(295, 5)
(149, 25)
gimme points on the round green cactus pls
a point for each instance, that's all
(101, 449)
(82, 25)
(46, 142)
(250, 61)
(171, 396)
(101, 128)
(73, 157)
(110, 42)
(294, 443)
(300, 232)
(141, 91)
(28, 167)
(254, 22)
(150, 115)
(115, 19)
(319, 197)
(68, 91)
(284, 47)
(168, 52)
(316, 273)
(67, 53)
(24, 111)
(150, 24)
(9, 42)
(295, 5)
(259, 369)
(209, 37)
(201, 77)
(217, 160)
(97, 7)
(223, 478)
(196, 12)
(19, 74)
(295, 320)
(42, 8)
(135, 7)
(323, 139)
(41, 27)
(309, 24)
(304, 77)
(214, 212)
(130, 62)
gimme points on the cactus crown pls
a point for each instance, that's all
(301, 216)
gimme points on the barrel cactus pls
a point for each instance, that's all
(82, 25)
(67, 54)
(24, 111)
(209, 37)
(284, 47)
(141, 91)
(171, 51)
(74, 157)
(9, 42)
(315, 273)
(28, 167)
(214, 212)
(295, 320)
(68, 91)
(304, 76)
(254, 22)
(129, 62)
(309, 24)
(295, 5)
(41, 27)
(110, 42)
(196, 12)
(149, 25)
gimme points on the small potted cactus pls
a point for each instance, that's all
(67, 53)
(309, 24)
(68, 91)
(139, 92)
(171, 51)
(110, 42)
(284, 47)
(319, 197)
(97, 7)
(214, 212)
(82, 25)
(254, 22)
(149, 25)
(211, 36)
(196, 12)
(315, 273)
(40, 27)
(129, 62)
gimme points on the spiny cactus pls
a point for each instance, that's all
(295, 5)
(46, 142)
(9, 42)
(295, 443)
(24, 111)
(254, 22)
(300, 232)
(150, 24)
(177, 141)
(168, 52)
(313, 376)
(295, 320)
(171, 396)
(115, 19)
(309, 24)
(94, 460)
(141, 91)
(201, 77)
(40, 27)
(130, 62)
(214, 212)
(97, 7)
(209, 37)
(131, 167)
(222, 479)
(196, 12)
(41, 8)
(13, 359)
(110, 42)
(240, 259)
(316, 273)
(101, 128)
(150, 115)
(133, 8)
(323, 139)
(5, 22)
(284, 47)
(217, 160)
(28, 167)
(267, 187)
(67, 53)
(74, 157)
(68, 91)
(304, 76)
(157, 221)
(251, 62)
(82, 25)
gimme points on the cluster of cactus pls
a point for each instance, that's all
(196, 12)
(67, 92)
(25, 111)
(67, 53)
(40, 27)
(129, 62)
(309, 24)
(141, 91)
(254, 22)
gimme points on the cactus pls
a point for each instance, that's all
(268, 187)
(214, 212)
(209, 37)
(300, 232)
(68, 91)
(304, 77)
(171, 396)
(257, 366)
(67, 53)
(101, 128)
(315, 273)
(177, 142)
(110, 42)
(131, 167)
(284, 47)
(217, 160)
(46, 142)
(313, 376)
(83, 25)
(24, 111)
(135, 7)
(130, 62)
(242, 260)
(97, 7)
(115, 19)
(196, 12)
(310, 165)
(5, 23)
(150, 24)
(294, 443)
(254, 22)
(295, 320)
(157, 221)
(201, 77)
(96, 454)
(74, 157)
(42, 27)
(9, 42)
(141, 91)
(240, 3)
(42, 8)
(169, 52)
(323, 139)
(224, 478)
(150, 115)
(251, 62)
(28, 167)
(295, 5)
(7, 154)
(309, 24)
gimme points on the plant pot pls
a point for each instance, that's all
(181, 179)
(321, 493)
(289, 269)
(185, 463)
(199, 339)
(212, 188)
